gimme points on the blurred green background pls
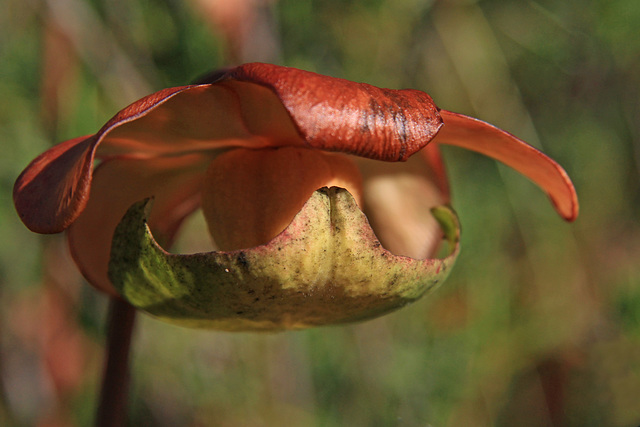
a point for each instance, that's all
(539, 323)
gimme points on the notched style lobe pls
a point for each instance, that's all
(326, 267)
(299, 250)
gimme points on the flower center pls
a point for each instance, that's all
(250, 196)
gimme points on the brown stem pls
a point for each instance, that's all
(115, 381)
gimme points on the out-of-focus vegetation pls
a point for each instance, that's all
(539, 324)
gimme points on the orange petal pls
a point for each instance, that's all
(250, 196)
(334, 114)
(175, 182)
(476, 135)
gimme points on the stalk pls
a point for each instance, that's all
(112, 407)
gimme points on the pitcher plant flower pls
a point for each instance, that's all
(326, 200)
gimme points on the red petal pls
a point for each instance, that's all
(476, 135)
(175, 182)
(339, 115)
(54, 187)
(203, 118)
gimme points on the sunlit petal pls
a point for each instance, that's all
(476, 135)
(334, 114)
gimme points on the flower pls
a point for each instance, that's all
(285, 164)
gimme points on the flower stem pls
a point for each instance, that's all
(115, 381)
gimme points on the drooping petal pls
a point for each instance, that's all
(175, 182)
(327, 267)
(476, 135)
(250, 196)
(334, 114)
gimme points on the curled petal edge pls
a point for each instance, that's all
(327, 267)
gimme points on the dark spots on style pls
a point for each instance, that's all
(393, 282)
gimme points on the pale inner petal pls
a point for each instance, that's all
(398, 198)
(250, 196)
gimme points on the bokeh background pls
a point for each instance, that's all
(539, 323)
